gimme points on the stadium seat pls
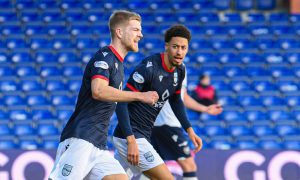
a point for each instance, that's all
(278, 17)
(52, 17)
(264, 86)
(234, 72)
(53, 30)
(39, 43)
(279, 115)
(262, 130)
(31, 30)
(292, 100)
(7, 142)
(231, 115)
(41, 114)
(26, 71)
(269, 100)
(61, 100)
(47, 129)
(232, 18)
(16, 43)
(50, 142)
(253, 115)
(21, 57)
(5, 128)
(208, 17)
(265, 4)
(213, 130)
(11, 29)
(222, 5)
(291, 144)
(255, 18)
(287, 86)
(248, 101)
(37, 100)
(244, 44)
(8, 86)
(242, 5)
(239, 130)
(19, 115)
(31, 85)
(6, 17)
(240, 86)
(28, 142)
(285, 130)
(55, 85)
(45, 58)
(29, 16)
(13, 100)
(50, 71)
(222, 144)
(23, 128)
(74, 85)
(61, 43)
(72, 71)
(246, 144)
(74, 17)
(270, 144)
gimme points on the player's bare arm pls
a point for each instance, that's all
(190, 103)
(103, 92)
(133, 156)
(197, 141)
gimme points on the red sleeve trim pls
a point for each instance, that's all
(132, 88)
(178, 92)
(100, 76)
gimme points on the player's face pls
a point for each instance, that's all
(132, 35)
(176, 50)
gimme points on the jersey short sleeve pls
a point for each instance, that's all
(138, 78)
(100, 67)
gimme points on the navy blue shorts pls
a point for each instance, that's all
(171, 143)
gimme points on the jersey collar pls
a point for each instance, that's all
(116, 53)
(164, 64)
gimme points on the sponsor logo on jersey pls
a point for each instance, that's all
(160, 77)
(101, 64)
(138, 78)
(175, 79)
(104, 53)
(149, 64)
(66, 170)
(149, 156)
(116, 64)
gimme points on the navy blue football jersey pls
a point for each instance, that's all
(150, 75)
(91, 117)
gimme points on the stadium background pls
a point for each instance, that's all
(250, 48)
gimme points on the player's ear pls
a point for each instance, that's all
(166, 46)
(119, 32)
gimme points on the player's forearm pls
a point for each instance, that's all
(111, 94)
(179, 111)
(123, 118)
(192, 104)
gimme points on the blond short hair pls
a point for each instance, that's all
(121, 17)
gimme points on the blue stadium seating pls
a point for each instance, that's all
(265, 4)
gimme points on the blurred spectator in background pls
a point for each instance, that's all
(205, 93)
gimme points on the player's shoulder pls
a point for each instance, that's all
(102, 58)
(182, 68)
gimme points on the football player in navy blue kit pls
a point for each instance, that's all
(82, 152)
(163, 73)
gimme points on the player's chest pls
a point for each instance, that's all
(165, 83)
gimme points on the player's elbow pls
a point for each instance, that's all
(98, 95)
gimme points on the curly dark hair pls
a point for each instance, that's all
(177, 31)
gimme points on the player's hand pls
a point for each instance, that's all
(133, 156)
(197, 141)
(150, 97)
(214, 109)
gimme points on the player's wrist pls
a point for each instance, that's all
(130, 139)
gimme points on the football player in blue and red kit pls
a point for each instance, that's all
(82, 152)
(163, 73)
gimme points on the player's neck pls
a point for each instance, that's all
(119, 48)
(167, 63)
